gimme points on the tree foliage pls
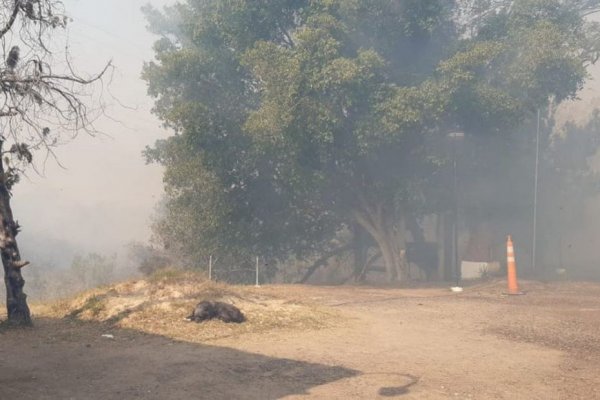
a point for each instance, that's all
(295, 119)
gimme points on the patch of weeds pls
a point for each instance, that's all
(120, 316)
(115, 319)
(167, 275)
(94, 304)
(215, 291)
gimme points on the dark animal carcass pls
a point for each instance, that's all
(206, 310)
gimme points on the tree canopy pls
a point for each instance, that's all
(296, 119)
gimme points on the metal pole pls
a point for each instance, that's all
(454, 136)
(535, 192)
(256, 271)
(210, 268)
(455, 218)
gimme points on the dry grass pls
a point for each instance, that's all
(159, 305)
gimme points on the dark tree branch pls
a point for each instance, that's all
(322, 260)
(12, 19)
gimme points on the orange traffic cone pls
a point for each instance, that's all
(513, 286)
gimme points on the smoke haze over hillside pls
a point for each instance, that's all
(105, 194)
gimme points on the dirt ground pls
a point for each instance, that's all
(418, 343)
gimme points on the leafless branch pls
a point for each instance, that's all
(43, 103)
(12, 19)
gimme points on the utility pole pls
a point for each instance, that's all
(454, 137)
(535, 193)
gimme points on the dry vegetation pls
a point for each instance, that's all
(159, 305)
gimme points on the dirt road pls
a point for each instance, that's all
(389, 343)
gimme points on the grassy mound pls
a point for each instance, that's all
(160, 303)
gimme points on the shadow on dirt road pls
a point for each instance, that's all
(61, 359)
(395, 391)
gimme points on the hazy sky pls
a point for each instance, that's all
(106, 194)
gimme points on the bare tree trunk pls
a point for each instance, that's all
(359, 250)
(16, 299)
(368, 264)
(390, 257)
(388, 241)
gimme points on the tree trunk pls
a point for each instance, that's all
(390, 257)
(389, 243)
(359, 252)
(16, 299)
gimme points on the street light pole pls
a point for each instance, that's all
(454, 136)
(455, 220)
(535, 193)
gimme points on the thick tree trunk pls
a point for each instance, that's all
(368, 264)
(359, 252)
(16, 299)
(388, 241)
(390, 257)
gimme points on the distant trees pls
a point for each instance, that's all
(296, 119)
(42, 105)
(569, 181)
(85, 271)
(148, 259)
(93, 269)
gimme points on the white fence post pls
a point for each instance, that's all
(256, 272)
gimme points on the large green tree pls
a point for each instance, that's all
(294, 119)
(223, 196)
